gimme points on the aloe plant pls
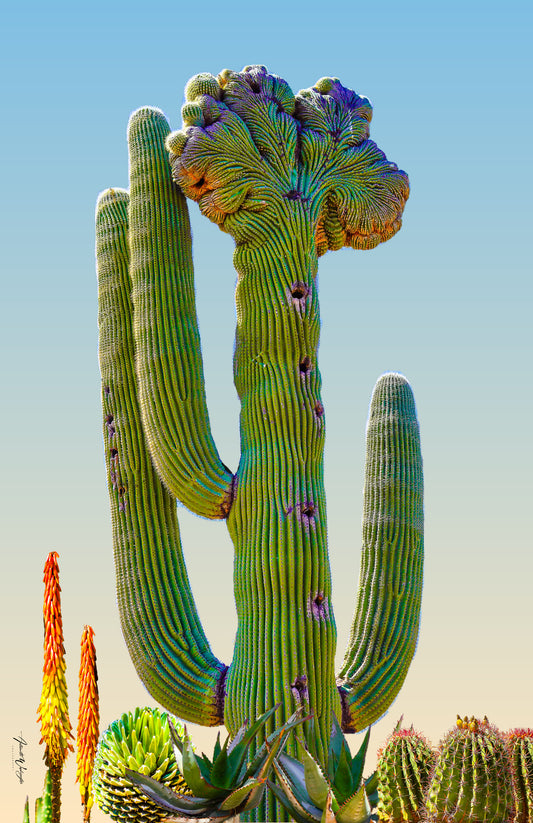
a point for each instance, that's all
(226, 784)
(340, 794)
(43, 804)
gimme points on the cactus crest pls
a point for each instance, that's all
(471, 780)
(404, 767)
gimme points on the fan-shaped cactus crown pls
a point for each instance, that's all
(250, 147)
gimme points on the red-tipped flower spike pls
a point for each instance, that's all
(88, 720)
(53, 708)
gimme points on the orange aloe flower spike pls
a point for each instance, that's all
(88, 720)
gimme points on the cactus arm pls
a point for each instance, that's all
(158, 615)
(386, 621)
(168, 356)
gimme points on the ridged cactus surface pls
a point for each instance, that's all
(140, 741)
(386, 621)
(289, 176)
(471, 781)
(404, 768)
(520, 747)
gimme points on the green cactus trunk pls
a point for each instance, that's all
(285, 644)
(159, 447)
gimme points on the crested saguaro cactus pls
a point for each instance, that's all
(289, 176)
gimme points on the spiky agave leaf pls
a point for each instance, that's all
(340, 794)
(223, 786)
(139, 741)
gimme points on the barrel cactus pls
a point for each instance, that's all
(404, 766)
(289, 176)
(471, 780)
(520, 747)
(141, 741)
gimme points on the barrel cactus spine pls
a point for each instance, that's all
(289, 176)
(471, 780)
(404, 767)
(520, 747)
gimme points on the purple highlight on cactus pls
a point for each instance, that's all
(318, 606)
(299, 688)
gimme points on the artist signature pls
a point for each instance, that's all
(19, 762)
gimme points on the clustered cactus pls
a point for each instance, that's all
(289, 176)
(477, 775)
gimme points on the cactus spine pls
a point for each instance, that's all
(289, 176)
(471, 781)
(404, 767)
(520, 747)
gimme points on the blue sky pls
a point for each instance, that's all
(447, 302)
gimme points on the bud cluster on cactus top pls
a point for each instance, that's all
(471, 780)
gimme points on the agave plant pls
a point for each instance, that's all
(225, 785)
(341, 795)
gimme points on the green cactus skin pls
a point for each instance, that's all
(404, 768)
(520, 747)
(140, 741)
(471, 781)
(385, 628)
(159, 618)
(289, 177)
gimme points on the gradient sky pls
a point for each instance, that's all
(447, 302)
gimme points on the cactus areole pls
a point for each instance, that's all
(289, 176)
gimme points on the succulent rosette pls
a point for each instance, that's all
(141, 741)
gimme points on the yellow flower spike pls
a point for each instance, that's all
(52, 711)
(88, 720)
(53, 708)
(459, 722)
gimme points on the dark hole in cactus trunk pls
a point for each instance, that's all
(113, 453)
(299, 688)
(299, 290)
(308, 509)
(305, 365)
(318, 409)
